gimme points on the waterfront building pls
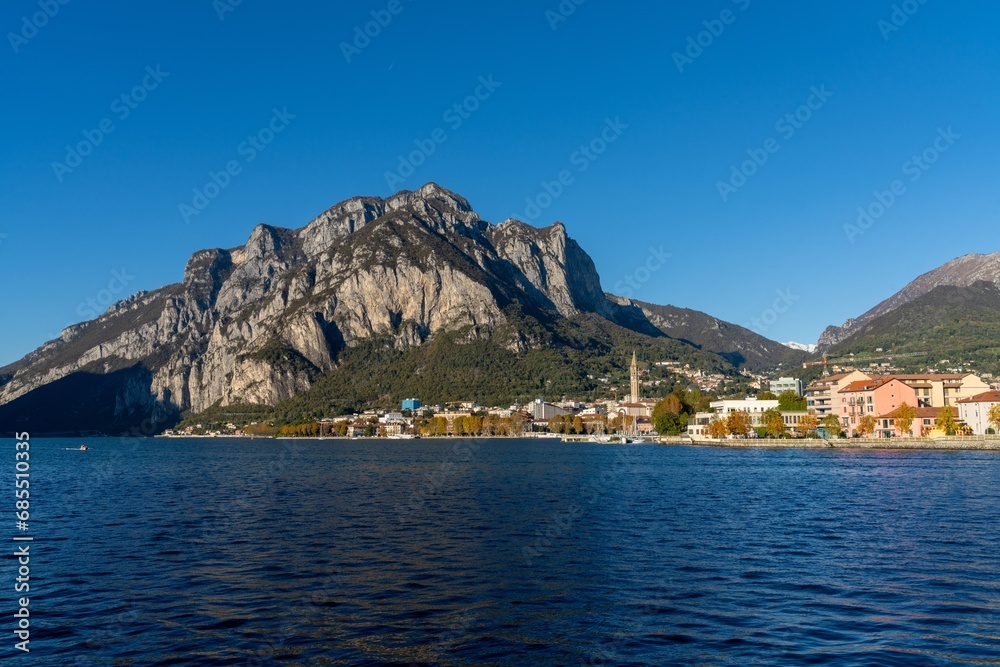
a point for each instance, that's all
(975, 411)
(820, 395)
(924, 424)
(936, 390)
(874, 397)
(751, 405)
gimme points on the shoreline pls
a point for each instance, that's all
(972, 443)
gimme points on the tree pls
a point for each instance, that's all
(994, 416)
(556, 425)
(718, 428)
(668, 423)
(904, 419)
(517, 424)
(947, 421)
(867, 424)
(809, 423)
(831, 423)
(791, 402)
(578, 425)
(766, 396)
(739, 423)
(773, 423)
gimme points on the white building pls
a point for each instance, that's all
(975, 411)
(751, 405)
(786, 384)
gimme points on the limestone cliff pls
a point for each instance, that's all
(258, 323)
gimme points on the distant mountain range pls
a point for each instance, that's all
(962, 272)
(372, 301)
(947, 319)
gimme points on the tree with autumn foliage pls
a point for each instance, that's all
(739, 423)
(718, 428)
(903, 420)
(994, 416)
(809, 423)
(867, 424)
(947, 421)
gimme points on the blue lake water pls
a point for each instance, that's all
(262, 552)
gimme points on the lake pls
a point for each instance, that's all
(504, 552)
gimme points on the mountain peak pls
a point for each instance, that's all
(962, 271)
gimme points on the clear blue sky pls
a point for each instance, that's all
(656, 185)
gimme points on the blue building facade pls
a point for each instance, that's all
(411, 404)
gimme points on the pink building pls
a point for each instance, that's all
(879, 396)
(924, 423)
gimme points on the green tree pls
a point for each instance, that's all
(773, 423)
(831, 423)
(668, 423)
(766, 396)
(791, 402)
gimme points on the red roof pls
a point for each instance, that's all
(867, 385)
(985, 397)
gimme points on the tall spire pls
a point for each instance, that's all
(635, 379)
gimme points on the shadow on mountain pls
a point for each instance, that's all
(116, 403)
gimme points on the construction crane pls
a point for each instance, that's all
(827, 361)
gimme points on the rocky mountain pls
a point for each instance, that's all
(962, 272)
(264, 322)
